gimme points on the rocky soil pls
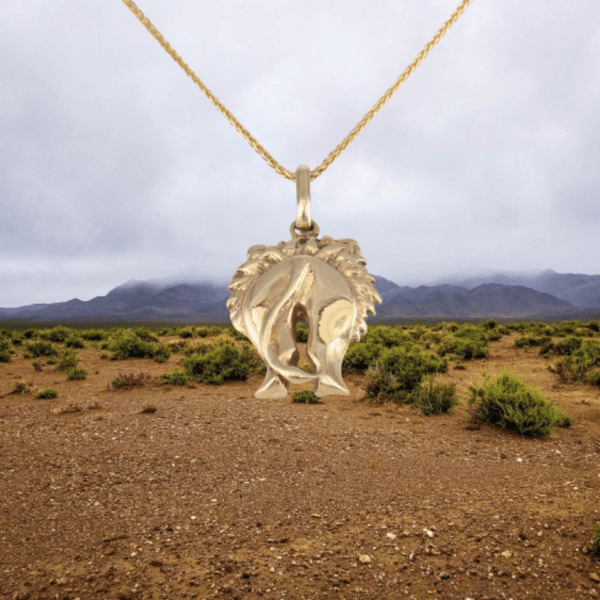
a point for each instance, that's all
(215, 494)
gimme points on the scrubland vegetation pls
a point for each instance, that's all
(400, 364)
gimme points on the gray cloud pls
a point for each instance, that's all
(113, 165)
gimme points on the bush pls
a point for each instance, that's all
(177, 377)
(360, 357)
(129, 380)
(509, 403)
(46, 394)
(74, 342)
(301, 333)
(307, 396)
(594, 546)
(526, 341)
(5, 356)
(67, 359)
(575, 368)
(568, 345)
(57, 334)
(463, 348)
(593, 325)
(433, 398)
(74, 373)
(162, 352)
(224, 364)
(96, 335)
(38, 349)
(130, 345)
(145, 334)
(490, 324)
(399, 371)
(385, 336)
(186, 333)
(36, 365)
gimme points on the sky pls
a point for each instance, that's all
(114, 166)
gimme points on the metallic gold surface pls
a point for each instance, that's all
(303, 197)
(324, 279)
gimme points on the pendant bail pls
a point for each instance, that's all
(303, 221)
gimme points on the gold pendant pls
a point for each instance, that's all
(325, 279)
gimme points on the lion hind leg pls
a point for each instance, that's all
(272, 387)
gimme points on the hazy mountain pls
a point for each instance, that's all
(578, 289)
(500, 295)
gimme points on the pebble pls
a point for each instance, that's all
(594, 577)
(392, 536)
(507, 554)
(364, 558)
(428, 532)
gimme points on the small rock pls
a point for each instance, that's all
(364, 558)
(392, 536)
(444, 575)
(428, 532)
(507, 554)
(62, 581)
(594, 577)
(406, 533)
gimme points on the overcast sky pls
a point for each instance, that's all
(113, 164)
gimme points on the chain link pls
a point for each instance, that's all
(291, 175)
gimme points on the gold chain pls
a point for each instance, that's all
(346, 141)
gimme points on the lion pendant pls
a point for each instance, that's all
(325, 279)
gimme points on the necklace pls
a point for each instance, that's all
(323, 279)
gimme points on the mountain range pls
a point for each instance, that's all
(502, 295)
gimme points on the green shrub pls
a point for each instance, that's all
(399, 371)
(463, 348)
(162, 352)
(388, 337)
(215, 330)
(67, 359)
(307, 396)
(433, 398)
(186, 333)
(593, 326)
(360, 357)
(30, 334)
(46, 394)
(594, 546)
(202, 332)
(575, 368)
(223, 364)
(36, 365)
(301, 333)
(96, 335)
(74, 373)
(130, 345)
(595, 379)
(38, 349)
(526, 341)
(460, 366)
(494, 334)
(509, 403)
(57, 334)
(145, 334)
(490, 324)
(176, 377)
(568, 345)
(5, 356)
(74, 342)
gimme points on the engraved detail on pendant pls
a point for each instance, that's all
(325, 279)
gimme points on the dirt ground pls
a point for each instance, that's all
(218, 494)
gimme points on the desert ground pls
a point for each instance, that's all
(201, 491)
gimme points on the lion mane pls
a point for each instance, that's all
(343, 255)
